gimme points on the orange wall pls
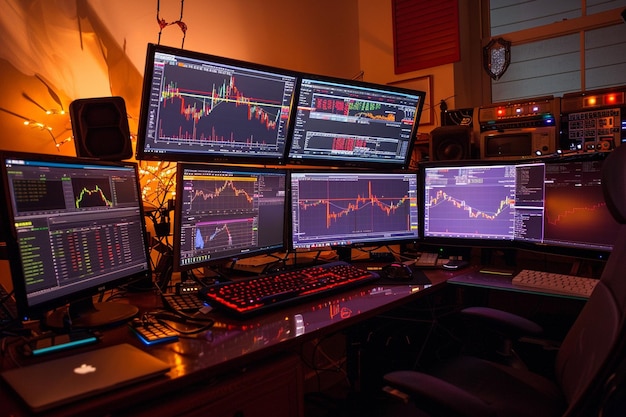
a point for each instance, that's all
(49, 57)
(376, 47)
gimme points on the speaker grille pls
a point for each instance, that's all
(100, 127)
(450, 143)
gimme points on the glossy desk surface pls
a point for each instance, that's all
(233, 344)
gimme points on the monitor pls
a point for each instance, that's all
(551, 205)
(74, 228)
(342, 209)
(576, 216)
(200, 107)
(224, 213)
(354, 124)
(469, 201)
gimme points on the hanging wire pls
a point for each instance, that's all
(163, 24)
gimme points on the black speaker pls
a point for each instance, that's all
(100, 127)
(450, 143)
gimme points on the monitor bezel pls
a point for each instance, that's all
(370, 241)
(351, 162)
(547, 247)
(561, 248)
(38, 311)
(428, 240)
(223, 259)
(193, 155)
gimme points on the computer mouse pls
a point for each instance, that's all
(455, 264)
(397, 272)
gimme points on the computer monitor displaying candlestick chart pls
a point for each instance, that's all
(553, 205)
(349, 123)
(227, 213)
(200, 107)
(345, 209)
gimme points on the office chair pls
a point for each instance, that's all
(587, 364)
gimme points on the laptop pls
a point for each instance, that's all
(60, 381)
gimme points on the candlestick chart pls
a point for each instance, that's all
(467, 213)
(476, 203)
(224, 110)
(225, 195)
(353, 207)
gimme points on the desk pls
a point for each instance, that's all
(476, 278)
(228, 370)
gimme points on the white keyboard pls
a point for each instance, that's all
(559, 283)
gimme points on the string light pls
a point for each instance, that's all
(158, 181)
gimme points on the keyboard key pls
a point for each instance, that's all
(559, 283)
(259, 294)
(153, 332)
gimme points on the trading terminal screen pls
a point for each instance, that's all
(225, 213)
(344, 123)
(553, 203)
(345, 209)
(199, 107)
(77, 226)
(575, 210)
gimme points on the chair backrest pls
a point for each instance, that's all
(592, 346)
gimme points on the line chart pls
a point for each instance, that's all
(226, 195)
(470, 211)
(92, 193)
(228, 234)
(575, 213)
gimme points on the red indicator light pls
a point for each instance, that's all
(614, 98)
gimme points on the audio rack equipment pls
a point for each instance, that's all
(593, 121)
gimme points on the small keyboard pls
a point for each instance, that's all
(259, 294)
(559, 283)
(186, 303)
(153, 332)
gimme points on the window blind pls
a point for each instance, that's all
(425, 33)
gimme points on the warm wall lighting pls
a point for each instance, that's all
(158, 180)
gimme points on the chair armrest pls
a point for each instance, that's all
(503, 321)
(436, 396)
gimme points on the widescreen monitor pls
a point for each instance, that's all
(576, 215)
(552, 205)
(354, 124)
(74, 228)
(225, 213)
(200, 107)
(341, 209)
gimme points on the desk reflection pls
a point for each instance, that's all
(233, 340)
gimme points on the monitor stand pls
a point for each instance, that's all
(344, 253)
(87, 314)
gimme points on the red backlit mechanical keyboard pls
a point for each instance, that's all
(256, 295)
